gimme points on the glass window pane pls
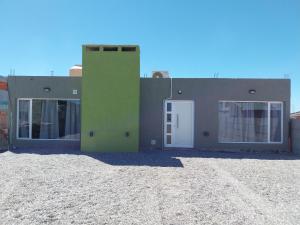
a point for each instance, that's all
(36, 118)
(62, 106)
(169, 107)
(275, 126)
(45, 119)
(169, 128)
(69, 119)
(169, 139)
(23, 129)
(169, 117)
(56, 119)
(243, 122)
(257, 122)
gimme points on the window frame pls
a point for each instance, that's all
(30, 119)
(269, 122)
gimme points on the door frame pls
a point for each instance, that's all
(165, 145)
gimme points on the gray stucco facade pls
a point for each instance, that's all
(33, 87)
(295, 134)
(205, 93)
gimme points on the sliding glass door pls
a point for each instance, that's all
(250, 122)
(49, 119)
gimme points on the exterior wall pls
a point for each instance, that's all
(295, 116)
(206, 93)
(110, 99)
(3, 113)
(295, 130)
(33, 87)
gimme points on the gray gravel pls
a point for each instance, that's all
(173, 187)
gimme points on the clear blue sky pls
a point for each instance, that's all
(241, 38)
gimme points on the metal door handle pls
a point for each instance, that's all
(177, 121)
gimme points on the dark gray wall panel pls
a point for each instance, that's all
(295, 136)
(33, 87)
(206, 94)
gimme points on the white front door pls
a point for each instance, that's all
(179, 124)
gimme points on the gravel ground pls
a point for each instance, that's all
(172, 187)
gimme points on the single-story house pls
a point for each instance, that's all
(112, 109)
(295, 115)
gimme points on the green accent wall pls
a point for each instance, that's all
(110, 98)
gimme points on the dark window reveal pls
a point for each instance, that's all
(128, 49)
(110, 49)
(93, 49)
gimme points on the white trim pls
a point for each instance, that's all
(62, 99)
(36, 139)
(269, 123)
(250, 101)
(265, 143)
(30, 119)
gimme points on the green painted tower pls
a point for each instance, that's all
(110, 98)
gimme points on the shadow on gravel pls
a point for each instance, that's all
(158, 158)
(117, 159)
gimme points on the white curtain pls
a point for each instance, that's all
(262, 123)
(49, 120)
(72, 124)
(275, 132)
(234, 127)
(249, 134)
(230, 122)
(243, 122)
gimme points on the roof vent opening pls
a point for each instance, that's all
(128, 49)
(93, 49)
(110, 49)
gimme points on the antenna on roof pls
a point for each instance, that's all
(52, 72)
(12, 72)
(286, 76)
(216, 75)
